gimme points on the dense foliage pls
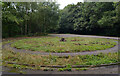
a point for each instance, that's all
(99, 18)
(29, 18)
(32, 18)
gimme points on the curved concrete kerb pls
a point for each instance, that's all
(112, 50)
(74, 35)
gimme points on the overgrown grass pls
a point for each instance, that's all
(23, 58)
(0, 53)
(72, 44)
(31, 59)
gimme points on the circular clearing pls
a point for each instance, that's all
(64, 45)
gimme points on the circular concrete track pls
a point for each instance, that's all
(97, 70)
(112, 50)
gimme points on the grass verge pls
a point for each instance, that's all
(49, 60)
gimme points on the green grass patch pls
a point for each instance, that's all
(72, 44)
(38, 60)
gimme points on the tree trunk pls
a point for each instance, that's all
(21, 30)
(44, 24)
(26, 28)
(26, 22)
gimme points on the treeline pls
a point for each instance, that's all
(98, 18)
(33, 18)
(25, 18)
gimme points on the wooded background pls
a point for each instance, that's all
(32, 18)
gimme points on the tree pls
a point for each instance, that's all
(67, 19)
(91, 18)
(25, 18)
